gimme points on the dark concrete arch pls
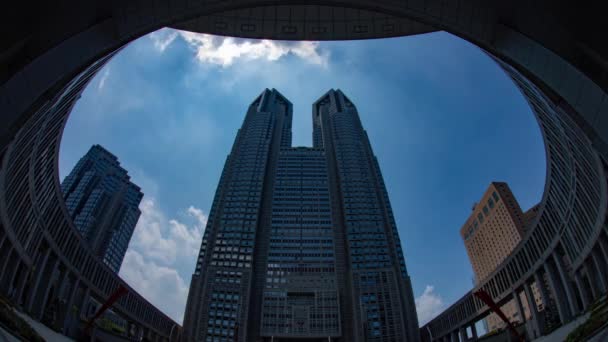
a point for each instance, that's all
(536, 38)
(550, 48)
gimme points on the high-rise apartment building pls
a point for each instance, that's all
(103, 203)
(492, 231)
(301, 242)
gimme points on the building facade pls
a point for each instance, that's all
(46, 267)
(301, 242)
(493, 230)
(103, 203)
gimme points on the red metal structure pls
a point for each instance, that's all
(486, 298)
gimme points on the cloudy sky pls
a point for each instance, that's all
(442, 118)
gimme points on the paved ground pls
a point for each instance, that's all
(5, 336)
(47, 333)
(602, 336)
(563, 331)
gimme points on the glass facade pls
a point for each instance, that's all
(301, 294)
(384, 308)
(301, 242)
(103, 203)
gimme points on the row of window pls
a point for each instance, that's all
(480, 218)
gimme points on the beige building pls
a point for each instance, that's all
(495, 227)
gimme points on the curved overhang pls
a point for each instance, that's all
(305, 22)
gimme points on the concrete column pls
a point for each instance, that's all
(474, 332)
(84, 304)
(536, 321)
(11, 265)
(18, 270)
(53, 266)
(603, 250)
(569, 291)
(3, 237)
(463, 334)
(580, 287)
(148, 333)
(63, 280)
(173, 334)
(21, 286)
(600, 271)
(519, 306)
(39, 270)
(558, 294)
(454, 336)
(60, 295)
(70, 314)
(591, 274)
(5, 251)
(602, 257)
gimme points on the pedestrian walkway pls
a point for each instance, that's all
(45, 332)
(5, 336)
(562, 332)
(601, 336)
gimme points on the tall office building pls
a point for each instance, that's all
(301, 242)
(492, 231)
(103, 202)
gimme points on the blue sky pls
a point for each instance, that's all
(442, 118)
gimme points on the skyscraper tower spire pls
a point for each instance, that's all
(370, 255)
(103, 202)
(301, 241)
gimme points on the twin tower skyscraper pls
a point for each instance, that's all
(301, 243)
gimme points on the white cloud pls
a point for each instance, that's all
(163, 38)
(103, 79)
(161, 285)
(163, 239)
(156, 262)
(224, 51)
(198, 214)
(428, 305)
